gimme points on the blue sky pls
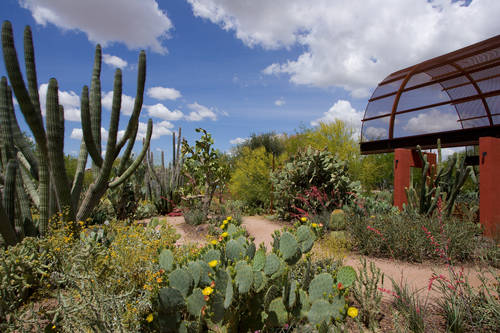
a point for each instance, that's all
(236, 67)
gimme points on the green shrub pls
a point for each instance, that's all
(406, 237)
(312, 181)
(194, 216)
(145, 209)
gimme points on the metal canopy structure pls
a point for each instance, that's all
(454, 97)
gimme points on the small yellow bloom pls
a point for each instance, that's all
(372, 217)
(229, 218)
(303, 219)
(314, 225)
(207, 291)
(222, 226)
(352, 312)
(225, 222)
(149, 318)
(213, 263)
(224, 235)
(159, 280)
(214, 242)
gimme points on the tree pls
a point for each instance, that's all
(204, 169)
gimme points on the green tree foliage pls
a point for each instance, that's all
(204, 168)
(251, 178)
(272, 143)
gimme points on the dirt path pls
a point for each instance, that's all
(262, 229)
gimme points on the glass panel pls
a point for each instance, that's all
(441, 71)
(471, 109)
(421, 97)
(432, 120)
(479, 122)
(479, 58)
(486, 73)
(489, 85)
(377, 129)
(379, 107)
(494, 104)
(387, 88)
(496, 120)
(455, 81)
(418, 79)
(462, 91)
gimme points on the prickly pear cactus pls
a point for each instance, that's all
(244, 277)
(181, 280)
(321, 287)
(195, 302)
(346, 276)
(234, 250)
(305, 238)
(166, 260)
(289, 248)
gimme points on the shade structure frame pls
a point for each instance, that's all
(465, 82)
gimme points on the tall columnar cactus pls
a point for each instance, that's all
(163, 183)
(40, 172)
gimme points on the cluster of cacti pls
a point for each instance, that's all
(438, 183)
(163, 183)
(41, 174)
(234, 287)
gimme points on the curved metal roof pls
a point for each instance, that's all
(454, 97)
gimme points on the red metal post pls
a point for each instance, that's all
(404, 160)
(489, 185)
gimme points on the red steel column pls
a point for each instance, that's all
(404, 160)
(489, 185)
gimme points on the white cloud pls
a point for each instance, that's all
(373, 133)
(159, 129)
(77, 133)
(341, 110)
(237, 141)
(127, 102)
(279, 102)
(352, 44)
(114, 61)
(432, 121)
(163, 93)
(137, 23)
(68, 99)
(161, 111)
(200, 112)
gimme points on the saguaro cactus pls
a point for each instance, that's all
(41, 173)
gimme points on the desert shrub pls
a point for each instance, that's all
(232, 208)
(194, 216)
(103, 212)
(229, 285)
(306, 173)
(405, 236)
(145, 209)
(251, 178)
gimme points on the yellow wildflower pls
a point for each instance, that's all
(224, 235)
(222, 226)
(372, 217)
(159, 280)
(303, 219)
(314, 225)
(352, 312)
(207, 291)
(213, 263)
(149, 318)
(214, 242)
(229, 218)
(225, 222)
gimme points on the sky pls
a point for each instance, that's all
(237, 67)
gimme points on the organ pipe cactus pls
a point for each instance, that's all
(40, 172)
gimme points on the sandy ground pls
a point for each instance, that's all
(417, 275)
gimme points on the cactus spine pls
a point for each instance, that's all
(56, 193)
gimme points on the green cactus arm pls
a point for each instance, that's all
(20, 140)
(88, 136)
(137, 161)
(114, 121)
(9, 192)
(24, 207)
(32, 116)
(5, 129)
(55, 137)
(139, 96)
(128, 151)
(29, 60)
(6, 230)
(43, 193)
(28, 182)
(95, 106)
(76, 188)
